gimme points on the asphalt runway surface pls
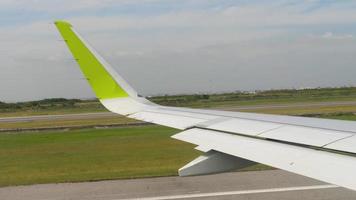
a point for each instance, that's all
(259, 185)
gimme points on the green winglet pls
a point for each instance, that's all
(103, 84)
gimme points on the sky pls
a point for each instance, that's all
(179, 46)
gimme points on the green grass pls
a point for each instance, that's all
(260, 97)
(304, 110)
(99, 154)
(80, 108)
(342, 116)
(88, 155)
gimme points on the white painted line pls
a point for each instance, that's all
(215, 194)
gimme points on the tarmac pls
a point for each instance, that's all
(266, 185)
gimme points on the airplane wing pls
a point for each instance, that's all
(322, 149)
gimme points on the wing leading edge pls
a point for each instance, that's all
(318, 148)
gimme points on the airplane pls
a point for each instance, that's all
(322, 149)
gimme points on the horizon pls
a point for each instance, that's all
(193, 94)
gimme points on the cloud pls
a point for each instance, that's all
(65, 5)
(180, 46)
(331, 35)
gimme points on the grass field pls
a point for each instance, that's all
(87, 155)
(146, 151)
(260, 97)
(298, 110)
(43, 107)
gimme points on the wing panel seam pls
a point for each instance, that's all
(260, 120)
(280, 141)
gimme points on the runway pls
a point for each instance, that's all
(261, 185)
(58, 117)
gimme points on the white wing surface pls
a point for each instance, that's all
(318, 148)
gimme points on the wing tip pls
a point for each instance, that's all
(62, 23)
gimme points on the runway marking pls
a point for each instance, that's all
(214, 194)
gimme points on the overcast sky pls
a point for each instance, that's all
(179, 46)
